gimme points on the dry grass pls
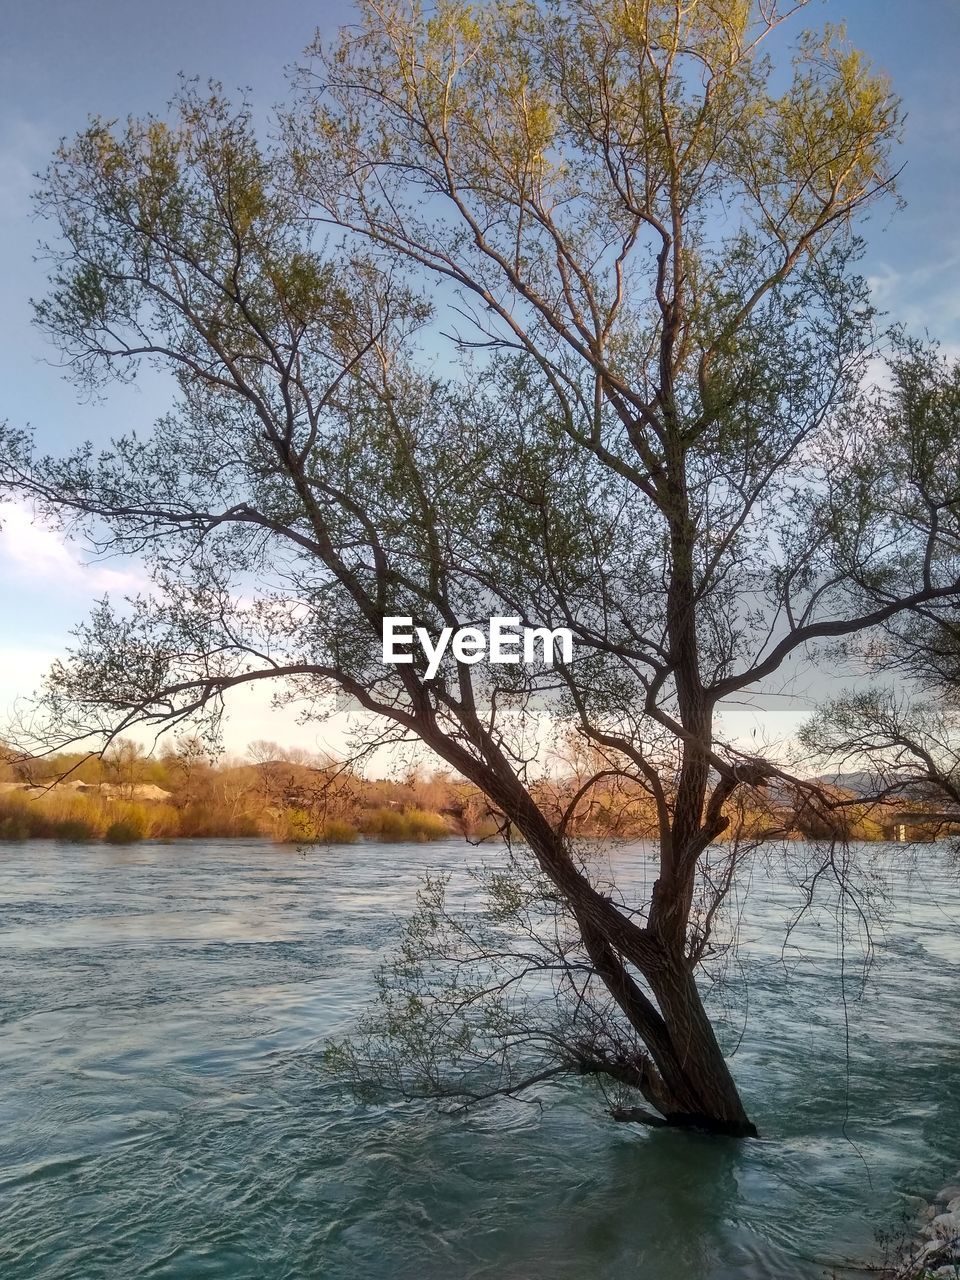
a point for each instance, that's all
(81, 817)
(49, 816)
(410, 824)
(300, 826)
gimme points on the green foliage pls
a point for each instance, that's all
(301, 826)
(123, 833)
(475, 1005)
(425, 826)
(74, 831)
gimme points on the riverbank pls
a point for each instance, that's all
(189, 791)
(934, 1253)
(74, 817)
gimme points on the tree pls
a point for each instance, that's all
(902, 731)
(8, 762)
(651, 429)
(318, 789)
(187, 766)
(124, 765)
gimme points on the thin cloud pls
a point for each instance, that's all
(34, 556)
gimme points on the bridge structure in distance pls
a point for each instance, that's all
(900, 826)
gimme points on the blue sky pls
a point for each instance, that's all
(62, 60)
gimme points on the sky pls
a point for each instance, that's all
(62, 61)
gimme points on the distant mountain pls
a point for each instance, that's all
(861, 782)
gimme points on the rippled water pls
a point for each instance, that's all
(161, 1010)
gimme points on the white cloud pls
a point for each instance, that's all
(925, 297)
(34, 556)
(22, 668)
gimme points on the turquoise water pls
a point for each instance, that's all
(161, 1115)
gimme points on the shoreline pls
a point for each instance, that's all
(933, 1252)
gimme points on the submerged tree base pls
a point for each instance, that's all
(701, 1124)
(483, 1004)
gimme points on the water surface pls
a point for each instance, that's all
(161, 1115)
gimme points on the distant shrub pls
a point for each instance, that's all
(243, 825)
(74, 831)
(299, 827)
(422, 825)
(205, 821)
(397, 811)
(414, 824)
(15, 827)
(337, 832)
(123, 833)
(385, 824)
(20, 819)
(485, 827)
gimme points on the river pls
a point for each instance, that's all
(163, 1006)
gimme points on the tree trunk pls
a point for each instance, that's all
(701, 1083)
(686, 1076)
(692, 1086)
(689, 1082)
